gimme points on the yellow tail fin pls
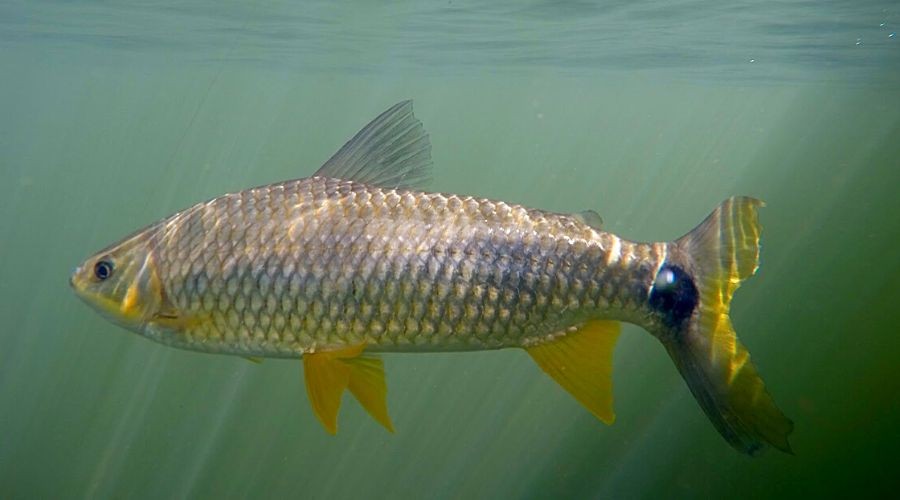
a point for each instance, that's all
(722, 252)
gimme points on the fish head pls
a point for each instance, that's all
(121, 282)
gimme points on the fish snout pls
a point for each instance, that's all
(76, 279)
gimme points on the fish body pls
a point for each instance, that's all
(291, 268)
(358, 258)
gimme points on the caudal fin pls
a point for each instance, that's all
(722, 252)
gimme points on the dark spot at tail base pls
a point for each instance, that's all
(674, 295)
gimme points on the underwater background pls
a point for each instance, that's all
(113, 115)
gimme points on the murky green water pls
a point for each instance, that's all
(649, 113)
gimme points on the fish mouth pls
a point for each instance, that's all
(77, 281)
(107, 308)
(82, 291)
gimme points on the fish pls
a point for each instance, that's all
(359, 259)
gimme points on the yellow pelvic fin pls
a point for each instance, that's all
(328, 373)
(368, 386)
(581, 362)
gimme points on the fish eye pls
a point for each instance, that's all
(103, 269)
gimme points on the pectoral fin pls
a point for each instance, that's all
(329, 373)
(177, 322)
(581, 362)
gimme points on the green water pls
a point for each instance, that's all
(649, 113)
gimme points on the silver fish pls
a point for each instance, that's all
(356, 260)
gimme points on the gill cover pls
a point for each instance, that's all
(720, 253)
(128, 292)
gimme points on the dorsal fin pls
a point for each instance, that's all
(392, 151)
(591, 218)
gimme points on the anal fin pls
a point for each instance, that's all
(329, 373)
(581, 362)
